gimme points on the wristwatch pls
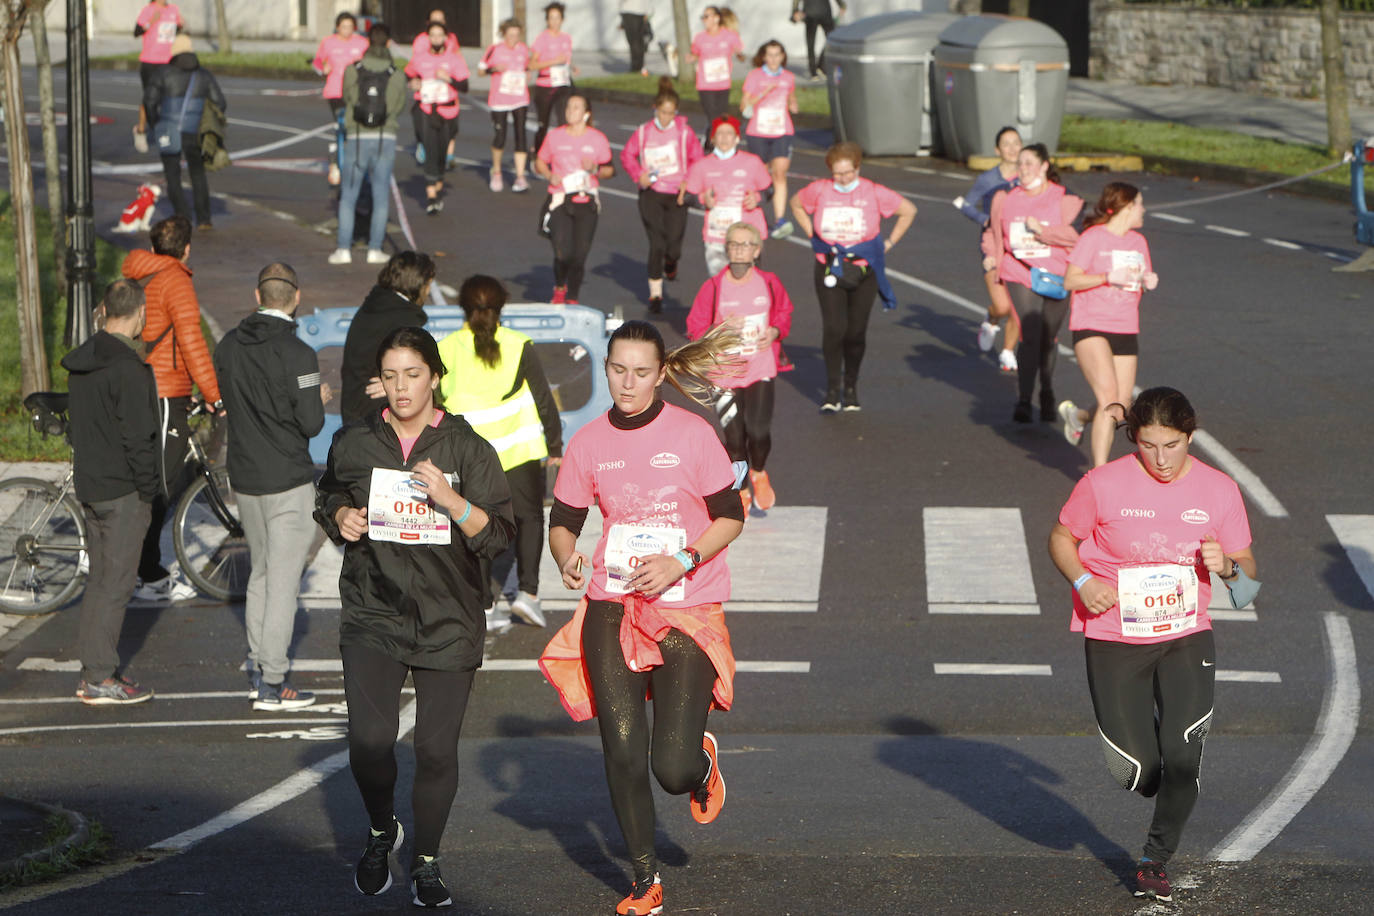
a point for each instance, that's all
(1235, 570)
(695, 555)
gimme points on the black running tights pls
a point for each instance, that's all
(844, 326)
(748, 437)
(1041, 319)
(549, 102)
(372, 686)
(1154, 708)
(682, 697)
(573, 226)
(665, 222)
(498, 124)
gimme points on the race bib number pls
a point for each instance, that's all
(715, 69)
(560, 75)
(662, 159)
(844, 225)
(772, 122)
(512, 82)
(1024, 244)
(166, 31)
(721, 218)
(577, 182)
(1157, 599)
(1131, 260)
(399, 510)
(434, 92)
(752, 330)
(625, 544)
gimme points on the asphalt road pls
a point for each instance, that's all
(861, 779)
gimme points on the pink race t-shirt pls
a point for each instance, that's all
(730, 179)
(650, 485)
(771, 117)
(161, 23)
(434, 71)
(509, 88)
(847, 218)
(421, 43)
(1131, 525)
(747, 302)
(1108, 308)
(551, 46)
(1022, 250)
(567, 154)
(713, 58)
(339, 53)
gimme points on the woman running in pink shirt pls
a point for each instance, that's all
(553, 59)
(575, 159)
(770, 100)
(336, 53)
(711, 52)
(438, 74)
(508, 98)
(729, 183)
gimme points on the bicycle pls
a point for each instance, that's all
(43, 558)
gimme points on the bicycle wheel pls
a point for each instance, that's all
(43, 560)
(209, 541)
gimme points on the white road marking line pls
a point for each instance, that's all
(1170, 218)
(1233, 616)
(50, 664)
(1332, 737)
(1017, 609)
(532, 664)
(1267, 502)
(1356, 534)
(1337, 257)
(1227, 230)
(953, 534)
(193, 723)
(919, 170)
(1280, 243)
(197, 695)
(1249, 677)
(989, 669)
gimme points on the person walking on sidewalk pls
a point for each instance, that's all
(817, 15)
(114, 427)
(420, 506)
(374, 94)
(158, 24)
(275, 404)
(553, 81)
(634, 22)
(508, 62)
(337, 53)
(396, 301)
(438, 75)
(174, 101)
(656, 158)
(495, 381)
(711, 52)
(177, 351)
(575, 159)
(977, 206)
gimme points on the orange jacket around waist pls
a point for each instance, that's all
(643, 626)
(181, 356)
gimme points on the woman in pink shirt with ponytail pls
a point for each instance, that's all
(507, 61)
(336, 53)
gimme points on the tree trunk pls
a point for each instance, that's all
(1018, 8)
(52, 169)
(1333, 69)
(517, 10)
(226, 45)
(683, 27)
(33, 357)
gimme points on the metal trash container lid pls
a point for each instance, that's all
(1001, 33)
(908, 34)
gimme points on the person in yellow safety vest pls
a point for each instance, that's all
(495, 382)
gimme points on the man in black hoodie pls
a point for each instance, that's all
(270, 382)
(397, 301)
(114, 433)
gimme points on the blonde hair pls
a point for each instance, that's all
(728, 19)
(690, 366)
(747, 227)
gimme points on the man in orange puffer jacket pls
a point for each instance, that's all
(176, 350)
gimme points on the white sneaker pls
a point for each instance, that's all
(140, 140)
(1073, 427)
(529, 609)
(341, 256)
(165, 590)
(1007, 360)
(376, 256)
(987, 333)
(498, 621)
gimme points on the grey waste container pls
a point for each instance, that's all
(880, 82)
(996, 71)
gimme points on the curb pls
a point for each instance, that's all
(80, 833)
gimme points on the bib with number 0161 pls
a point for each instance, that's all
(1157, 599)
(625, 544)
(399, 510)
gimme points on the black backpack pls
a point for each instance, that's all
(370, 110)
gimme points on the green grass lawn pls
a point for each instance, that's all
(269, 64)
(810, 99)
(18, 441)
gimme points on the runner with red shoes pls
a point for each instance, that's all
(652, 615)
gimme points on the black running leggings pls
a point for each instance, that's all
(1131, 685)
(715, 103)
(748, 437)
(498, 123)
(844, 326)
(665, 222)
(548, 105)
(572, 226)
(527, 486)
(372, 687)
(435, 132)
(682, 698)
(1038, 351)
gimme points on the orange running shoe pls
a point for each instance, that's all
(710, 798)
(646, 899)
(747, 499)
(764, 497)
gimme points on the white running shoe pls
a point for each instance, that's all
(498, 621)
(164, 590)
(1073, 427)
(529, 609)
(496, 181)
(987, 333)
(376, 256)
(341, 256)
(1007, 360)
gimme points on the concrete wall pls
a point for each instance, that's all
(250, 19)
(1269, 52)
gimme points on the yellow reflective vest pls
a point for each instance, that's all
(486, 396)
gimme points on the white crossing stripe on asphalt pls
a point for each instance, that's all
(1281, 243)
(49, 664)
(992, 669)
(1170, 218)
(1249, 677)
(1227, 230)
(977, 562)
(1356, 534)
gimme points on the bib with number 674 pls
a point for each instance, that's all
(625, 544)
(1157, 599)
(400, 511)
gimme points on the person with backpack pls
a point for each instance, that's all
(174, 101)
(374, 95)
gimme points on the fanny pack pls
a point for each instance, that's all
(1047, 284)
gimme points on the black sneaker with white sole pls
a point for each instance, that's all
(427, 886)
(373, 875)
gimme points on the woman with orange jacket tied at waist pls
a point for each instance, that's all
(1032, 226)
(652, 616)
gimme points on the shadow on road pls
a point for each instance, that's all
(1341, 577)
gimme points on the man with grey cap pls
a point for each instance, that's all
(270, 382)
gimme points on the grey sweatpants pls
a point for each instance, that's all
(279, 528)
(114, 539)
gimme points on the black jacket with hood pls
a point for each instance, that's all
(420, 605)
(114, 421)
(166, 92)
(382, 312)
(270, 382)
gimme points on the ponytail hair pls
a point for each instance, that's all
(1161, 406)
(666, 92)
(691, 365)
(1116, 196)
(1043, 154)
(482, 298)
(728, 19)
